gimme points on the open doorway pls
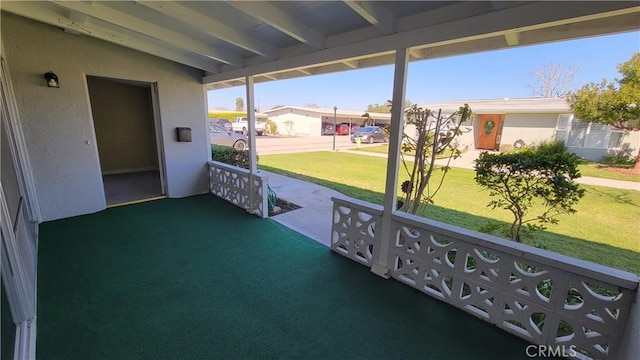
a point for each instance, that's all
(127, 138)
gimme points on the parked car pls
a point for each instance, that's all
(221, 136)
(225, 123)
(241, 124)
(343, 129)
(369, 134)
(327, 130)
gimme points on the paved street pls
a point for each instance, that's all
(288, 144)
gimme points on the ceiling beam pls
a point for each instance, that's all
(415, 53)
(352, 64)
(77, 18)
(512, 38)
(491, 24)
(270, 76)
(282, 21)
(376, 14)
(212, 27)
(304, 71)
(32, 11)
(99, 11)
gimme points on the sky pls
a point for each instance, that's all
(487, 75)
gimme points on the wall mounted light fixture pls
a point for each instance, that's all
(52, 80)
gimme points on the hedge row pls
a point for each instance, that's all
(226, 115)
(231, 156)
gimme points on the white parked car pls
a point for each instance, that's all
(241, 125)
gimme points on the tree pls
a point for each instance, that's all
(377, 108)
(386, 107)
(552, 80)
(612, 103)
(239, 104)
(436, 138)
(312, 105)
(529, 179)
(277, 106)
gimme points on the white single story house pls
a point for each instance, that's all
(511, 122)
(294, 120)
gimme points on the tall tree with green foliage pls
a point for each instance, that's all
(615, 103)
(239, 104)
(531, 178)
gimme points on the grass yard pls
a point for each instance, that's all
(604, 230)
(384, 149)
(606, 172)
(591, 169)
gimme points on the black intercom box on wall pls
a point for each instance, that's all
(184, 134)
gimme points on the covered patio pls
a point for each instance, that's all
(192, 276)
(197, 278)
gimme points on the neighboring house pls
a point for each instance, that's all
(506, 123)
(293, 120)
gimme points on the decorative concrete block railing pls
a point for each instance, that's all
(232, 183)
(543, 297)
(353, 229)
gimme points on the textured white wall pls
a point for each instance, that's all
(532, 128)
(58, 122)
(301, 123)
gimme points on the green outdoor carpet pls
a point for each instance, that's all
(197, 278)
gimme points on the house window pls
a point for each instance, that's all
(575, 133)
(562, 127)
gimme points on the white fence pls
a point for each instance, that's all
(543, 297)
(234, 184)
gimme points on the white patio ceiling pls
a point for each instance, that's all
(274, 40)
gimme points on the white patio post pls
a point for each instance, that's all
(251, 124)
(381, 255)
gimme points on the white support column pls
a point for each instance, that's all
(629, 345)
(381, 255)
(251, 124)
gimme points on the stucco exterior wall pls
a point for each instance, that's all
(300, 124)
(531, 128)
(58, 123)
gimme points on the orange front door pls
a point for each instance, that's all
(489, 132)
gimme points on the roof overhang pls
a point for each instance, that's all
(272, 40)
(442, 33)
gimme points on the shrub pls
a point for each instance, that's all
(540, 175)
(272, 127)
(622, 157)
(226, 115)
(231, 156)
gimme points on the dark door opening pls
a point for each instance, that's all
(123, 117)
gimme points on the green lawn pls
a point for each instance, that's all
(384, 149)
(604, 230)
(606, 172)
(591, 169)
